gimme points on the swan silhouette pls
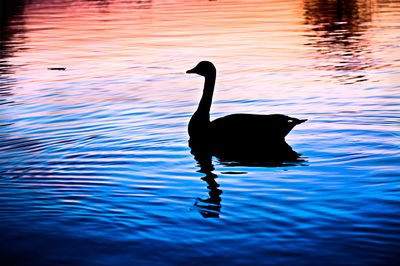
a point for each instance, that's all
(244, 136)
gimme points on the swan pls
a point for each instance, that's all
(242, 134)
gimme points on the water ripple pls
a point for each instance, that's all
(95, 157)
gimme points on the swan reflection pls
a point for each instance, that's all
(211, 206)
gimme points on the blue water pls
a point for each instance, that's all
(95, 165)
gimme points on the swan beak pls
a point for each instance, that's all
(193, 70)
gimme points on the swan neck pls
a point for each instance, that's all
(206, 99)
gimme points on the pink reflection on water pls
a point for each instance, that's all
(272, 57)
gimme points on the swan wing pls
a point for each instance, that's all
(249, 126)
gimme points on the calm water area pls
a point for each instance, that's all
(95, 167)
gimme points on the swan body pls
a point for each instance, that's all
(236, 133)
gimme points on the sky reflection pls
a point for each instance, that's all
(96, 156)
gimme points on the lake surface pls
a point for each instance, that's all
(95, 164)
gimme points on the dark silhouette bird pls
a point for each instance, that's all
(243, 137)
(57, 68)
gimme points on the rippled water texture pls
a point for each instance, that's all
(94, 162)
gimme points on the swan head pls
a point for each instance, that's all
(204, 68)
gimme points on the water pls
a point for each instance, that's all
(95, 167)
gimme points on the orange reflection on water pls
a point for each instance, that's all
(119, 50)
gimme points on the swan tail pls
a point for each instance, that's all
(299, 121)
(295, 121)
